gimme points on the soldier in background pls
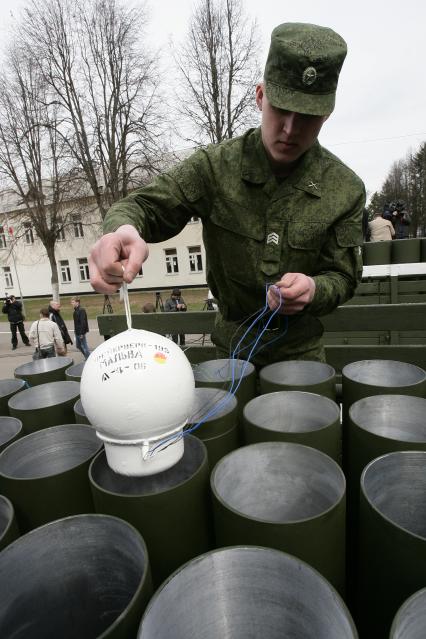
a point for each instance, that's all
(277, 208)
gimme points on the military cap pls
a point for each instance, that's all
(303, 67)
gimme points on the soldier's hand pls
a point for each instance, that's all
(292, 293)
(113, 252)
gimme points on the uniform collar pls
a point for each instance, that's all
(255, 166)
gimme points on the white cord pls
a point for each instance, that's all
(125, 293)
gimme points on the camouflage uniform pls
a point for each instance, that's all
(255, 229)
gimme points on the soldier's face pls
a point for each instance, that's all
(286, 135)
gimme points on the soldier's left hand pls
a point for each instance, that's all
(292, 293)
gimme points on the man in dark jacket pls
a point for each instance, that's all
(55, 316)
(81, 327)
(174, 304)
(13, 309)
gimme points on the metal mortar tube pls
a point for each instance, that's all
(299, 375)
(80, 413)
(217, 412)
(8, 388)
(285, 496)
(73, 373)
(43, 371)
(243, 592)
(224, 373)
(171, 509)
(45, 405)
(410, 620)
(8, 526)
(392, 538)
(83, 576)
(45, 474)
(10, 430)
(297, 417)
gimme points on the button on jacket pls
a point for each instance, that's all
(257, 227)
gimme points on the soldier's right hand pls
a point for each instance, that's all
(116, 257)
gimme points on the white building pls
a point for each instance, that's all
(25, 268)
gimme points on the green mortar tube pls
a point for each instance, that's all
(45, 405)
(171, 510)
(45, 474)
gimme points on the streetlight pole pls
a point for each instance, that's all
(16, 270)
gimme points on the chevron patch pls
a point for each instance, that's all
(273, 238)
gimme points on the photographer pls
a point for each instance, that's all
(174, 304)
(401, 220)
(13, 309)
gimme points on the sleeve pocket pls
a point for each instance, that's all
(349, 234)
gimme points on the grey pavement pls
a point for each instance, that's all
(9, 360)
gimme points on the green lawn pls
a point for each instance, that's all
(194, 298)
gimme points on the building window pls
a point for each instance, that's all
(83, 268)
(194, 219)
(78, 226)
(195, 259)
(172, 265)
(60, 231)
(28, 233)
(3, 243)
(65, 271)
(8, 276)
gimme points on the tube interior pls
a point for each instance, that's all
(386, 373)
(398, 417)
(297, 373)
(278, 482)
(395, 485)
(291, 411)
(49, 452)
(193, 456)
(410, 622)
(69, 579)
(246, 592)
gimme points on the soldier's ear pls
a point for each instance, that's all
(259, 96)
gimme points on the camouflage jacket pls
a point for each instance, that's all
(256, 228)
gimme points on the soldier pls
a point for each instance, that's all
(277, 208)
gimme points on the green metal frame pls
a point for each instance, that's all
(352, 332)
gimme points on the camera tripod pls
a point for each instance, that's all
(158, 302)
(107, 305)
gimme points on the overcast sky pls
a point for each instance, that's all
(381, 105)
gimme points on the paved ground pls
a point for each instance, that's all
(9, 360)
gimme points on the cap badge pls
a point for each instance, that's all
(309, 76)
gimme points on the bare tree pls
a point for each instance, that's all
(218, 65)
(106, 85)
(34, 160)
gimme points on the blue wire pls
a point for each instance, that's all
(234, 357)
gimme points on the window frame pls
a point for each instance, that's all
(64, 266)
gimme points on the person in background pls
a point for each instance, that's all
(46, 337)
(174, 304)
(387, 213)
(81, 327)
(148, 307)
(13, 309)
(380, 229)
(401, 221)
(55, 316)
